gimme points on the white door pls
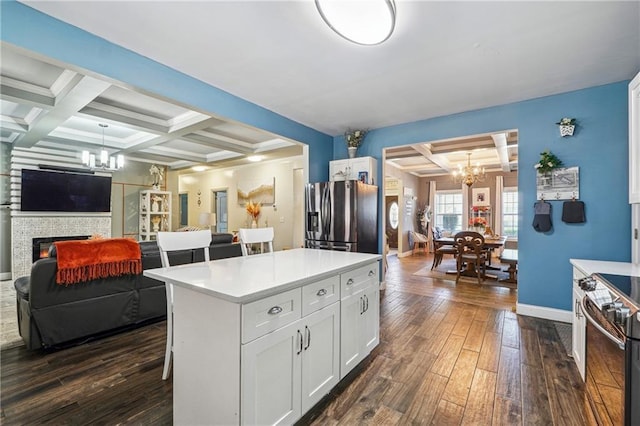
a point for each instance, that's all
(321, 355)
(271, 367)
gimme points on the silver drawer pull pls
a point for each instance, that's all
(349, 281)
(275, 310)
(371, 273)
(321, 292)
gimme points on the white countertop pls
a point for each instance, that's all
(589, 267)
(247, 278)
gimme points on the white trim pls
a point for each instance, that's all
(5, 276)
(552, 314)
(405, 254)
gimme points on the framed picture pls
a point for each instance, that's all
(481, 197)
(363, 177)
(256, 190)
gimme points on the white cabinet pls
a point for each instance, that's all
(634, 140)
(155, 213)
(287, 371)
(269, 358)
(359, 313)
(579, 324)
(364, 169)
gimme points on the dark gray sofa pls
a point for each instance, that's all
(52, 315)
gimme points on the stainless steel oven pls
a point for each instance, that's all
(612, 308)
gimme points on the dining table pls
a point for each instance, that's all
(490, 243)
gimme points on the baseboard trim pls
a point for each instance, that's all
(405, 254)
(552, 314)
(5, 276)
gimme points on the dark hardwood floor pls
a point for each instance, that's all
(448, 354)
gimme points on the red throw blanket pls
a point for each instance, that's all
(87, 260)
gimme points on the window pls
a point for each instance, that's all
(448, 210)
(510, 212)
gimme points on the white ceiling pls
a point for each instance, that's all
(443, 58)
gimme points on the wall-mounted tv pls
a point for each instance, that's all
(47, 191)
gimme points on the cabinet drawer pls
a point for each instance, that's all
(316, 296)
(268, 314)
(357, 280)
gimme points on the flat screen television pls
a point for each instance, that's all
(47, 191)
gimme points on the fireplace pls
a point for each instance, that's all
(41, 245)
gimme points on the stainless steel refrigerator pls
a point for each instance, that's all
(342, 216)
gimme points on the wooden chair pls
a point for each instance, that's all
(177, 241)
(250, 236)
(471, 251)
(439, 250)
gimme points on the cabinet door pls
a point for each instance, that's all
(321, 355)
(338, 170)
(351, 350)
(270, 377)
(579, 325)
(370, 332)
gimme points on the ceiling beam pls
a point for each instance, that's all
(84, 90)
(500, 141)
(211, 140)
(178, 133)
(438, 161)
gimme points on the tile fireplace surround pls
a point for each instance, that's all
(25, 227)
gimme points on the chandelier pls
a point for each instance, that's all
(106, 162)
(469, 175)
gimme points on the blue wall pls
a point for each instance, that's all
(599, 147)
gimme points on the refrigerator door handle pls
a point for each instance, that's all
(329, 209)
(325, 211)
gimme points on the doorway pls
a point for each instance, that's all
(220, 207)
(391, 226)
(183, 210)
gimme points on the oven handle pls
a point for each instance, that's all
(610, 336)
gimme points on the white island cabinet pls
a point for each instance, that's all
(257, 340)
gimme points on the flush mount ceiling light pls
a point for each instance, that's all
(254, 158)
(367, 22)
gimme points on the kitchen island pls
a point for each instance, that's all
(261, 339)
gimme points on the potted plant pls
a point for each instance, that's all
(354, 139)
(548, 161)
(567, 126)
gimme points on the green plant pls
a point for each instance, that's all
(566, 121)
(354, 138)
(548, 161)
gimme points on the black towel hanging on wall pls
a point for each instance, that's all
(542, 216)
(573, 212)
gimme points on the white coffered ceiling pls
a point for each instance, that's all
(444, 58)
(53, 107)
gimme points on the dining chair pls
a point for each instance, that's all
(471, 251)
(419, 239)
(250, 236)
(172, 242)
(439, 250)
